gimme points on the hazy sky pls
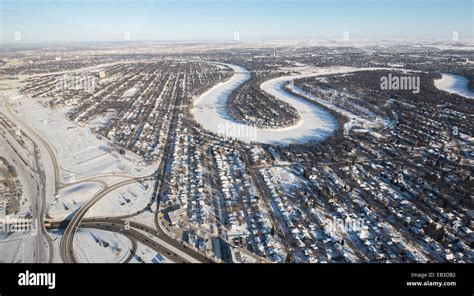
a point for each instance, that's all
(108, 20)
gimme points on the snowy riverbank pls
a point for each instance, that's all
(211, 112)
(454, 84)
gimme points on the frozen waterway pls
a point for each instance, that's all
(211, 112)
(454, 84)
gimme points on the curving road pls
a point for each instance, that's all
(67, 252)
(41, 206)
(134, 236)
(115, 228)
(44, 143)
(166, 245)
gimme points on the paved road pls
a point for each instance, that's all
(45, 144)
(66, 244)
(67, 252)
(134, 233)
(175, 244)
(40, 204)
(105, 226)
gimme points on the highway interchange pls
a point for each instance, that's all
(152, 237)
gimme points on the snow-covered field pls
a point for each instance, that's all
(71, 198)
(353, 118)
(124, 200)
(13, 251)
(79, 152)
(147, 255)
(210, 111)
(454, 84)
(286, 179)
(100, 246)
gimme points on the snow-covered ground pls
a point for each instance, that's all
(454, 84)
(147, 255)
(71, 198)
(130, 92)
(211, 112)
(146, 217)
(210, 109)
(354, 119)
(56, 235)
(25, 176)
(286, 179)
(168, 246)
(13, 251)
(79, 152)
(100, 246)
(124, 200)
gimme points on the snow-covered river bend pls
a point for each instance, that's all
(454, 84)
(210, 110)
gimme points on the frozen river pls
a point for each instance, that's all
(454, 84)
(211, 112)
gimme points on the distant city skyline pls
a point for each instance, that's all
(199, 20)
